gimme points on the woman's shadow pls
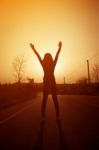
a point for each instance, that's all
(63, 145)
(39, 141)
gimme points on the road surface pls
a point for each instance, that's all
(21, 127)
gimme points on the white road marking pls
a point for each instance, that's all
(16, 113)
(30, 105)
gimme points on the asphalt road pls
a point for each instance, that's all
(21, 127)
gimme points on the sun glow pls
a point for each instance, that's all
(45, 23)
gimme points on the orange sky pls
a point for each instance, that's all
(44, 23)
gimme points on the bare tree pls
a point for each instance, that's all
(18, 66)
(96, 73)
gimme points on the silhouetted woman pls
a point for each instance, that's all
(49, 84)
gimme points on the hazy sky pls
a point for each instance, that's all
(45, 23)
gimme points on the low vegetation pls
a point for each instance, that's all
(11, 94)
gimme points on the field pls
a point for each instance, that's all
(12, 94)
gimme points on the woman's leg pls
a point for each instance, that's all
(43, 105)
(56, 104)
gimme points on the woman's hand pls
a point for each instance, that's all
(32, 46)
(35, 51)
(60, 44)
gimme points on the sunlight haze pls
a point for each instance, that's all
(44, 23)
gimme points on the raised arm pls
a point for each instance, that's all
(57, 54)
(37, 54)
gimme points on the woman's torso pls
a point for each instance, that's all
(49, 83)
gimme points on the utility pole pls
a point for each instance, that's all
(88, 69)
(64, 82)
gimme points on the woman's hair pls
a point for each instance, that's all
(48, 58)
